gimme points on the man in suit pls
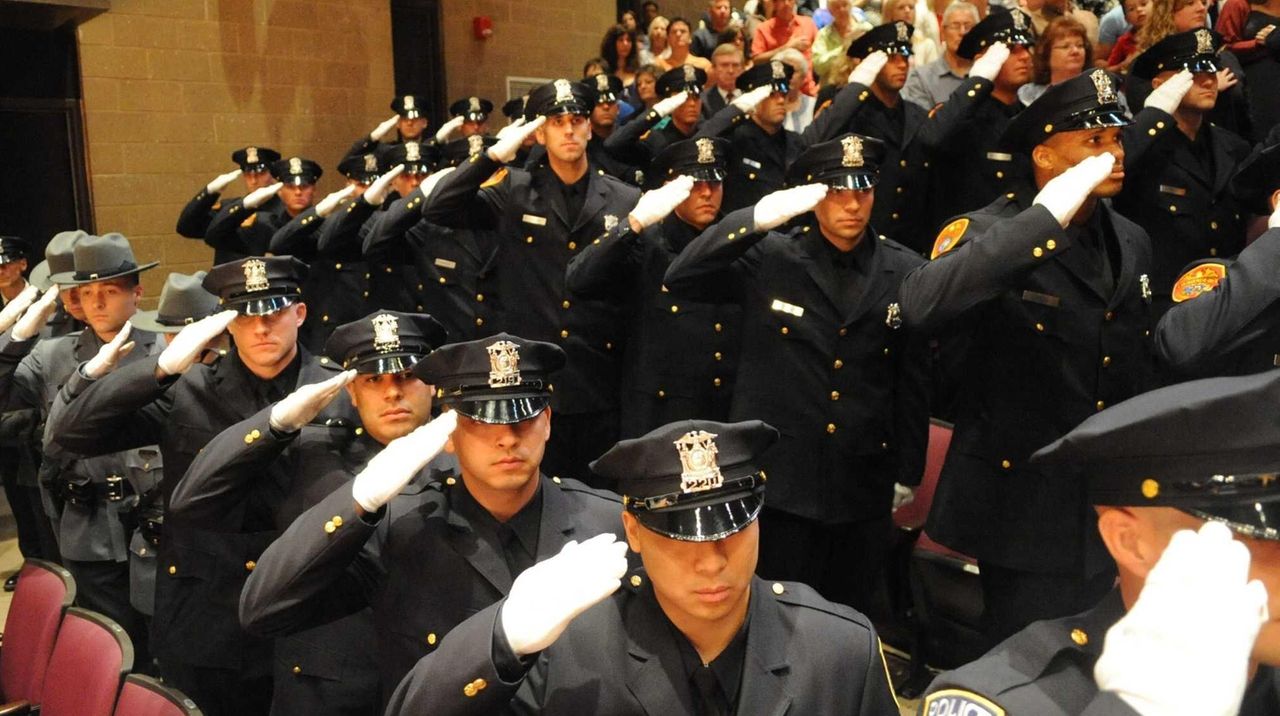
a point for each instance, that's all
(726, 65)
(692, 632)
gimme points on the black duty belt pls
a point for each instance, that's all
(87, 494)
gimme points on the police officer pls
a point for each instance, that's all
(673, 118)
(254, 163)
(692, 632)
(244, 227)
(408, 124)
(544, 217)
(681, 356)
(1174, 476)
(59, 260)
(181, 405)
(604, 121)
(13, 267)
(393, 279)
(474, 113)
(330, 668)
(86, 496)
(1178, 189)
(1054, 297)
(825, 359)
(426, 550)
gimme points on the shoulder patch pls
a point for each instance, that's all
(253, 218)
(958, 701)
(949, 237)
(1204, 277)
(496, 178)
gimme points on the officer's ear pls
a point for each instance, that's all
(1130, 540)
(301, 313)
(1275, 199)
(631, 526)
(1043, 157)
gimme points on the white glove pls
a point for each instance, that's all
(384, 130)
(655, 204)
(777, 208)
(504, 150)
(548, 595)
(520, 122)
(16, 307)
(378, 190)
(447, 129)
(988, 66)
(221, 182)
(866, 72)
(1169, 95)
(304, 404)
(390, 470)
(109, 355)
(34, 318)
(748, 101)
(258, 197)
(326, 205)
(1064, 194)
(668, 105)
(1195, 622)
(428, 185)
(190, 342)
(902, 496)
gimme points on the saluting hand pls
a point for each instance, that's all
(779, 207)
(381, 187)
(304, 404)
(1064, 194)
(548, 595)
(748, 101)
(222, 181)
(518, 123)
(428, 185)
(668, 105)
(505, 149)
(390, 470)
(988, 66)
(182, 351)
(109, 355)
(34, 318)
(1195, 622)
(1169, 95)
(258, 197)
(326, 205)
(655, 204)
(382, 131)
(16, 307)
(867, 70)
(448, 129)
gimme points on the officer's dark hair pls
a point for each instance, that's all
(609, 49)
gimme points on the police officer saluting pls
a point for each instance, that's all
(254, 163)
(639, 141)
(424, 550)
(407, 125)
(244, 227)
(692, 632)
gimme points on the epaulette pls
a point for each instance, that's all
(951, 236)
(1198, 278)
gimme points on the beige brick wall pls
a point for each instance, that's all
(172, 86)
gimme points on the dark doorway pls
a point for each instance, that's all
(418, 53)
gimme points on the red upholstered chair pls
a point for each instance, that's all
(145, 696)
(90, 659)
(44, 593)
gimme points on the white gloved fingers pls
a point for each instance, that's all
(518, 123)
(377, 192)
(258, 197)
(988, 66)
(1169, 95)
(777, 208)
(191, 341)
(304, 404)
(221, 182)
(667, 106)
(656, 204)
(14, 309)
(326, 205)
(390, 470)
(505, 149)
(33, 319)
(750, 100)
(110, 353)
(429, 184)
(384, 129)
(867, 70)
(1066, 193)
(448, 128)
(1274, 220)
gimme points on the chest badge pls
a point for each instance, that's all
(893, 316)
(610, 222)
(1144, 282)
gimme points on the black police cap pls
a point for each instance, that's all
(360, 167)
(513, 109)
(1012, 28)
(850, 161)
(13, 248)
(501, 379)
(459, 150)
(893, 38)
(685, 78)
(257, 285)
(1087, 101)
(473, 109)
(385, 342)
(704, 159)
(560, 97)
(254, 159)
(1195, 50)
(409, 106)
(693, 480)
(296, 170)
(608, 87)
(1209, 447)
(774, 73)
(183, 301)
(417, 158)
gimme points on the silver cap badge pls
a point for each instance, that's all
(474, 104)
(386, 333)
(564, 91)
(902, 31)
(408, 102)
(1102, 83)
(699, 469)
(504, 364)
(852, 152)
(475, 144)
(779, 70)
(706, 150)
(412, 152)
(370, 163)
(251, 155)
(1204, 42)
(255, 275)
(295, 165)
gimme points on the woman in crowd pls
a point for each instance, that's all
(618, 48)
(833, 40)
(647, 86)
(657, 41)
(1248, 30)
(1062, 52)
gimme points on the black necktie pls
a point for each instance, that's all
(512, 551)
(707, 698)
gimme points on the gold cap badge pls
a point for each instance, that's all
(504, 364)
(386, 333)
(699, 469)
(255, 275)
(370, 163)
(564, 91)
(295, 165)
(251, 155)
(1102, 83)
(1204, 42)
(474, 104)
(706, 150)
(852, 152)
(689, 75)
(408, 102)
(602, 83)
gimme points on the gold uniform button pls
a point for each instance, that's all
(785, 330)
(835, 395)
(843, 331)
(1109, 315)
(1100, 405)
(1079, 637)
(479, 321)
(1213, 225)
(359, 431)
(1150, 488)
(719, 328)
(431, 639)
(662, 393)
(675, 309)
(479, 298)
(752, 175)
(838, 364)
(297, 670)
(564, 333)
(719, 356)
(972, 93)
(1173, 207)
(248, 439)
(999, 175)
(337, 520)
(556, 479)
(1213, 251)
(716, 382)
(256, 433)
(886, 351)
(1051, 244)
(451, 481)
(325, 318)
(636, 580)
(528, 239)
(894, 216)
(1006, 464)
(1160, 124)
(1151, 132)
(337, 267)
(564, 304)
(1040, 327)
(173, 569)
(329, 527)
(442, 281)
(572, 245)
(778, 588)
(831, 428)
(1037, 252)
(248, 566)
(1106, 361)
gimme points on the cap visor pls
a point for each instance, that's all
(410, 114)
(710, 173)
(565, 108)
(852, 180)
(1259, 520)
(261, 306)
(298, 180)
(706, 522)
(1202, 63)
(501, 411)
(388, 364)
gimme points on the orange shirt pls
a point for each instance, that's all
(771, 34)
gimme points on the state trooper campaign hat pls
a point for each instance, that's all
(257, 285)
(13, 248)
(502, 379)
(417, 158)
(513, 109)
(1089, 100)
(183, 301)
(692, 480)
(473, 109)
(409, 106)
(1210, 448)
(704, 159)
(685, 78)
(893, 38)
(59, 256)
(850, 161)
(296, 170)
(459, 150)
(560, 97)
(361, 168)
(774, 73)
(100, 258)
(1012, 28)
(254, 159)
(1194, 50)
(608, 87)
(385, 341)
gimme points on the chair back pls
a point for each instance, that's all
(145, 696)
(90, 658)
(45, 591)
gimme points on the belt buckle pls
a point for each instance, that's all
(114, 488)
